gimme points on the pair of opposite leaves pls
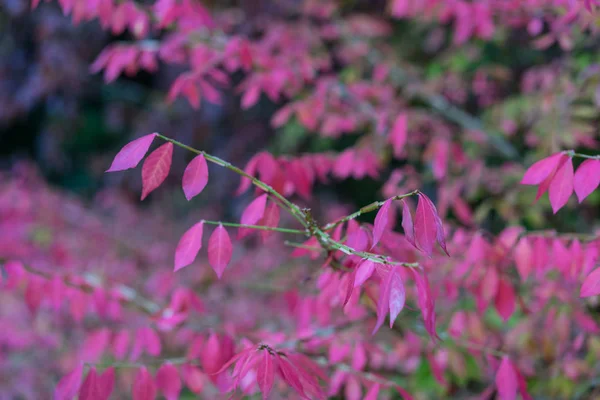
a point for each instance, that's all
(555, 175)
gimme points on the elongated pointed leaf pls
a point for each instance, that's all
(189, 245)
(168, 381)
(106, 383)
(219, 250)
(541, 170)
(144, 387)
(156, 168)
(407, 223)
(591, 284)
(89, 388)
(505, 299)
(68, 386)
(195, 177)
(381, 222)
(561, 186)
(397, 295)
(252, 214)
(364, 272)
(587, 178)
(440, 236)
(265, 375)
(398, 135)
(132, 153)
(507, 380)
(425, 227)
(270, 218)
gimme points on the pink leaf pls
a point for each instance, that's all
(89, 389)
(397, 295)
(425, 227)
(106, 383)
(561, 186)
(195, 177)
(541, 170)
(189, 245)
(131, 154)
(506, 380)
(523, 258)
(364, 272)
(144, 387)
(440, 236)
(270, 219)
(373, 392)
(252, 214)
(68, 386)
(265, 375)
(391, 298)
(505, 299)
(156, 168)
(407, 223)
(219, 250)
(591, 284)
(168, 381)
(398, 135)
(381, 222)
(587, 178)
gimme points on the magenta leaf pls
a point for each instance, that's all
(407, 223)
(505, 299)
(381, 222)
(507, 380)
(168, 381)
(541, 170)
(219, 250)
(132, 153)
(270, 219)
(591, 284)
(440, 236)
(189, 245)
(391, 297)
(156, 168)
(68, 386)
(425, 226)
(144, 387)
(195, 177)
(398, 135)
(364, 272)
(561, 186)
(252, 214)
(265, 375)
(587, 178)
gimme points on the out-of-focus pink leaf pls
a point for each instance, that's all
(68, 386)
(506, 380)
(591, 284)
(144, 387)
(252, 214)
(398, 135)
(505, 299)
(168, 381)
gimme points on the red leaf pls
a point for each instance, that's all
(270, 219)
(189, 245)
(265, 375)
(398, 135)
(425, 227)
(407, 223)
(541, 170)
(219, 250)
(144, 387)
(561, 186)
(591, 284)
(106, 383)
(381, 222)
(156, 168)
(168, 381)
(195, 177)
(505, 299)
(587, 178)
(131, 154)
(68, 386)
(89, 390)
(364, 272)
(506, 380)
(252, 214)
